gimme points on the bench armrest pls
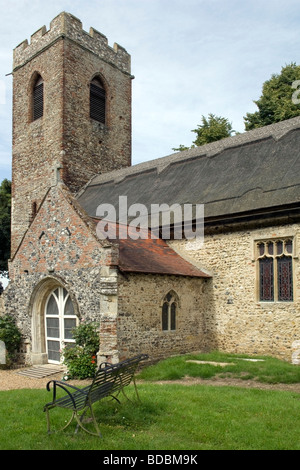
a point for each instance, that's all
(64, 386)
(103, 365)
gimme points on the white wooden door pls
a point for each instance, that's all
(60, 319)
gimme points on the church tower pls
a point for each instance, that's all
(71, 113)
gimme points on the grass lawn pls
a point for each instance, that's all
(260, 368)
(170, 417)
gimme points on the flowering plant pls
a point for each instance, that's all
(80, 358)
(11, 335)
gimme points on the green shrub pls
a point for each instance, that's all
(81, 359)
(11, 335)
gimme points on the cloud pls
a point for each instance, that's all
(189, 57)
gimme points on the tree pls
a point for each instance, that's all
(5, 205)
(211, 129)
(276, 102)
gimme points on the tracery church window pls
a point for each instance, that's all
(60, 319)
(97, 101)
(38, 99)
(169, 311)
(275, 265)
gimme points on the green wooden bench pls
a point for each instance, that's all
(109, 381)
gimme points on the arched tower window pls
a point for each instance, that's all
(38, 99)
(97, 101)
(169, 311)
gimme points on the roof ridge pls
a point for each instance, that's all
(276, 131)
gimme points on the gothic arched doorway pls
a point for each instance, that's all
(53, 315)
(60, 319)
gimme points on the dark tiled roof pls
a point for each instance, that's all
(256, 170)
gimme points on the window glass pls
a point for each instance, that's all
(173, 316)
(53, 350)
(165, 316)
(261, 249)
(285, 279)
(289, 246)
(69, 308)
(52, 307)
(266, 279)
(69, 325)
(169, 311)
(53, 327)
(279, 247)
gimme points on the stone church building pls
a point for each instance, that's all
(238, 292)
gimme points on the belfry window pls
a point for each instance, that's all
(169, 312)
(275, 266)
(97, 101)
(38, 99)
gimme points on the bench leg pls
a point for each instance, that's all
(63, 428)
(136, 391)
(79, 420)
(48, 420)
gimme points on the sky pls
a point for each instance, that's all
(189, 58)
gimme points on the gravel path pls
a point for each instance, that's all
(11, 380)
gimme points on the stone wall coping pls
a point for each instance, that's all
(65, 25)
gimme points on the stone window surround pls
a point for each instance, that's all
(98, 76)
(98, 103)
(282, 235)
(175, 299)
(35, 77)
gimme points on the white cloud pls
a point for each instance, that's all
(189, 57)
